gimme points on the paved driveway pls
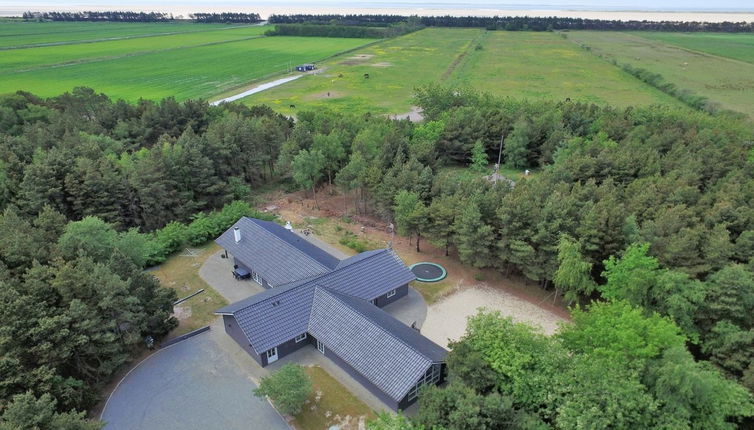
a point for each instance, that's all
(194, 384)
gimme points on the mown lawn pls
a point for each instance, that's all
(191, 72)
(738, 46)
(395, 68)
(729, 83)
(181, 273)
(543, 65)
(330, 404)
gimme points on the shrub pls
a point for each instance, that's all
(288, 388)
(352, 241)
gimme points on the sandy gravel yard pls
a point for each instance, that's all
(446, 319)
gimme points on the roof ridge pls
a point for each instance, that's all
(335, 294)
(379, 251)
(288, 245)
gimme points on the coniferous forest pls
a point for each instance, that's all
(642, 218)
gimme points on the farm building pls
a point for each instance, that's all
(314, 299)
(305, 67)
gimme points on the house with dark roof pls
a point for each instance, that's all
(315, 299)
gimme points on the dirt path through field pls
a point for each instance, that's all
(257, 89)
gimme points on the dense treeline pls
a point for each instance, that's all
(128, 16)
(132, 165)
(349, 20)
(515, 23)
(116, 16)
(227, 17)
(91, 192)
(664, 196)
(327, 31)
(342, 30)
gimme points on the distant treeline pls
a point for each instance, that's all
(355, 20)
(226, 17)
(515, 23)
(120, 16)
(125, 16)
(366, 32)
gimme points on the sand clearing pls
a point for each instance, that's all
(446, 319)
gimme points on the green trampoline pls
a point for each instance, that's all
(428, 272)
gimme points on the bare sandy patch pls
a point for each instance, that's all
(414, 115)
(446, 319)
(182, 312)
(382, 64)
(356, 59)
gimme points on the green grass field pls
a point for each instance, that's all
(516, 64)
(54, 56)
(545, 66)
(730, 83)
(189, 64)
(738, 46)
(395, 68)
(17, 33)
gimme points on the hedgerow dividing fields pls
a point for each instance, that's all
(729, 83)
(197, 64)
(516, 64)
(542, 65)
(738, 46)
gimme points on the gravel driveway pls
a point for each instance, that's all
(192, 385)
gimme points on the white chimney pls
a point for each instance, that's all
(288, 226)
(237, 234)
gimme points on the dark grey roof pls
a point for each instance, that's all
(278, 255)
(358, 257)
(386, 352)
(267, 326)
(370, 276)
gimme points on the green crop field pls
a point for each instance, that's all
(17, 33)
(730, 83)
(199, 61)
(543, 65)
(517, 64)
(15, 60)
(738, 46)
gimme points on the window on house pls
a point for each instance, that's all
(431, 376)
(300, 337)
(276, 303)
(391, 293)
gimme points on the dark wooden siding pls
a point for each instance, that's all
(384, 300)
(286, 348)
(234, 331)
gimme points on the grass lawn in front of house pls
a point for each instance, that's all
(181, 273)
(331, 404)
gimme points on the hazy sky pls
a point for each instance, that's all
(650, 5)
(406, 7)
